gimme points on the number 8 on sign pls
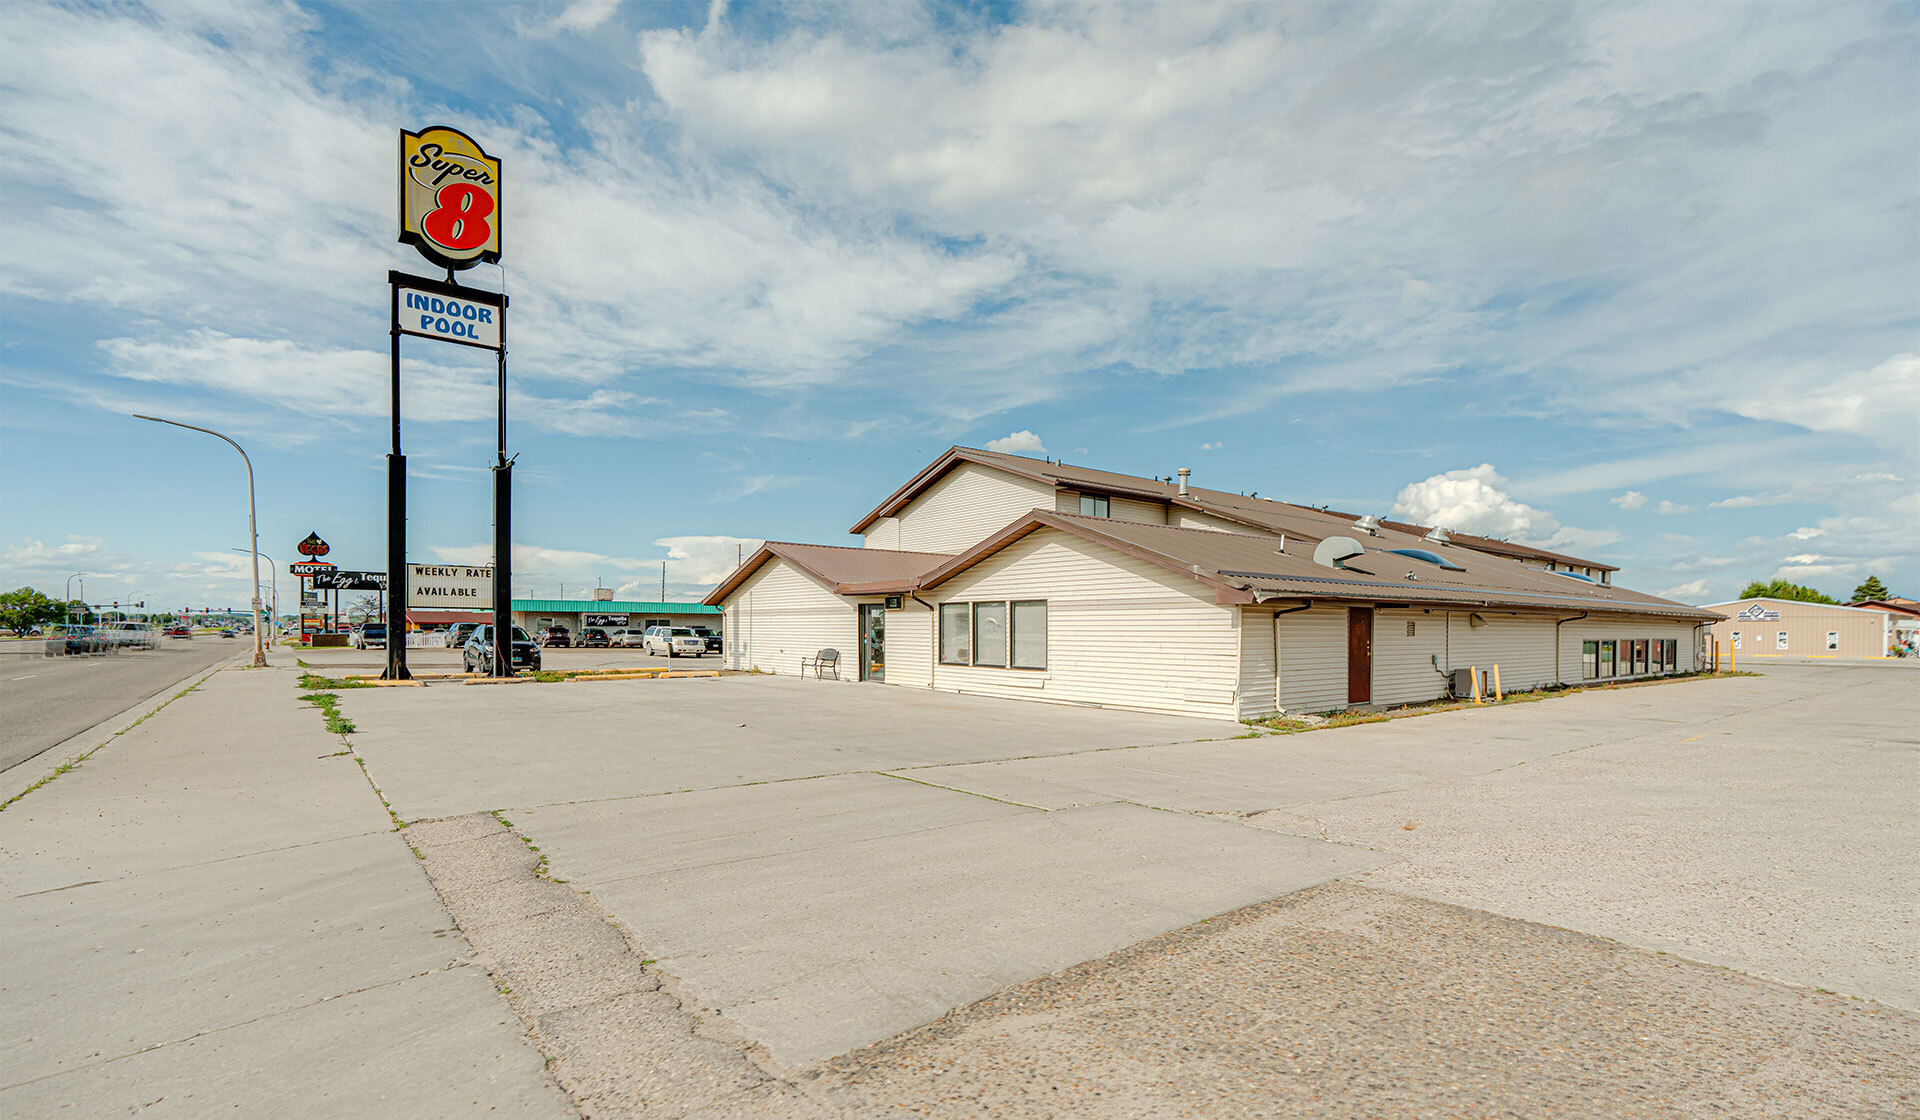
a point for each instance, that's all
(460, 221)
(449, 197)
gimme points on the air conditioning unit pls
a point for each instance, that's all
(603, 594)
(1463, 684)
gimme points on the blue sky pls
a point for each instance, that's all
(1640, 283)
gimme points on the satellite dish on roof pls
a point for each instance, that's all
(1369, 525)
(1439, 536)
(1330, 552)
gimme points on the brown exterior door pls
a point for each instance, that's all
(1359, 655)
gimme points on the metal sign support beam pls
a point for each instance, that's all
(396, 522)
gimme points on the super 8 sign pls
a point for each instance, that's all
(449, 197)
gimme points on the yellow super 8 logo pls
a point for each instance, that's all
(449, 197)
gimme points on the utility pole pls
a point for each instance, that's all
(663, 581)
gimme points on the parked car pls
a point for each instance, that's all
(593, 638)
(458, 635)
(625, 638)
(710, 636)
(556, 636)
(477, 654)
(372, 635)
(229, 632)
(674, 641)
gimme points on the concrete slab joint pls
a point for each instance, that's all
(618, 1035)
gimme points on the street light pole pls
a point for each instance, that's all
(253, 533)
(273, 576)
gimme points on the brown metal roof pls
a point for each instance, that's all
(1257, 513)
(846, 570)
(1247, 568)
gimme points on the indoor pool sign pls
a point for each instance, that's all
(449, 197)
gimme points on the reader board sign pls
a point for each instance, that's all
(449, 197)
(450, 586)
(603, 619)
(431, 314)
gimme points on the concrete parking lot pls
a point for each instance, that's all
(769, 896)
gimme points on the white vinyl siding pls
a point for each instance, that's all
(1312, 653)
(1259, 695)
(910, 645)
(781, 615)
(1193, 519)
(1404, 670)
(1119, 509)
(1121, 632)
(1522, 646)
(969, 504)
(884, 533)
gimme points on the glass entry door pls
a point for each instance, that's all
(873, 641)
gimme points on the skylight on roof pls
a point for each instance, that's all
(1576, 575)
(1433, 558)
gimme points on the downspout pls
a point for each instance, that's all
(1304, 606)
(1558, 676)
(933, 637)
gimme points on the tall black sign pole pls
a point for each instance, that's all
(502, 528)
(396, 522)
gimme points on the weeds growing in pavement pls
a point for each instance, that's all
(328, 704)
(317, 683)
(66, 766)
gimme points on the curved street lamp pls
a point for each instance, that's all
(253, 534)
(273, 573)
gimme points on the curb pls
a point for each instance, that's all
(22, 775)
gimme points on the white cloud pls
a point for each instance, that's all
(1474, 501)
(585, 15)
(1632, 499)
(39, 554)
(1749, 501)
(1022, 442)
(706, 560)
(1214, 446)
(1691, 591)
(1668, 509)
(1806, 533)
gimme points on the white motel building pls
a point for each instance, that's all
(1009, 576)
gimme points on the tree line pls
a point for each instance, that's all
(1870, 588)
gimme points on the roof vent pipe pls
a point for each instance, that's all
(1439, 535)
(1183, 472)
(1369, 525)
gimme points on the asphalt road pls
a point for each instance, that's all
(46, 700)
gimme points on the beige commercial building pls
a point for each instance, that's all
(1773, 628)
(1003, 575)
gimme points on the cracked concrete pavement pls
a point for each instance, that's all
(766, 897)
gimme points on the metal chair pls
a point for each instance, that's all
(826, 659)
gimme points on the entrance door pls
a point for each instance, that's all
(1359, 655)
(873, 641)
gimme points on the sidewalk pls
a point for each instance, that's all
(221, 866)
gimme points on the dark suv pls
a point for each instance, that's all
(712, 638)
(477, 654)
(556, 636)
(593, 638)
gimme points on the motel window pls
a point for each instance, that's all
(1780, 640)
(990, 634)
(1606, 659)
(1094, 506)
(1833, 639)
(1589, 660)
(1640, 655)
(1030, 635)
(956, 647)
(1662, 660)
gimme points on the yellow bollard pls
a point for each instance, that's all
(1474, 672)
(1497, 694)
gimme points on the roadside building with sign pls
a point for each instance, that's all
(535, 615)
(1011, 576)
(1775, 628)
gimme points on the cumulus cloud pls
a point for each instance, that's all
(1213, 446)
(1691, 591)
(1022, 442)
(1632, 499)
(1668, 509)
(1474, 501)
(706, 560)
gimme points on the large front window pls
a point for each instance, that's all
(1030, 635)
(990, 634)
(956, 634)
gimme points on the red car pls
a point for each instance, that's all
(179, 632)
